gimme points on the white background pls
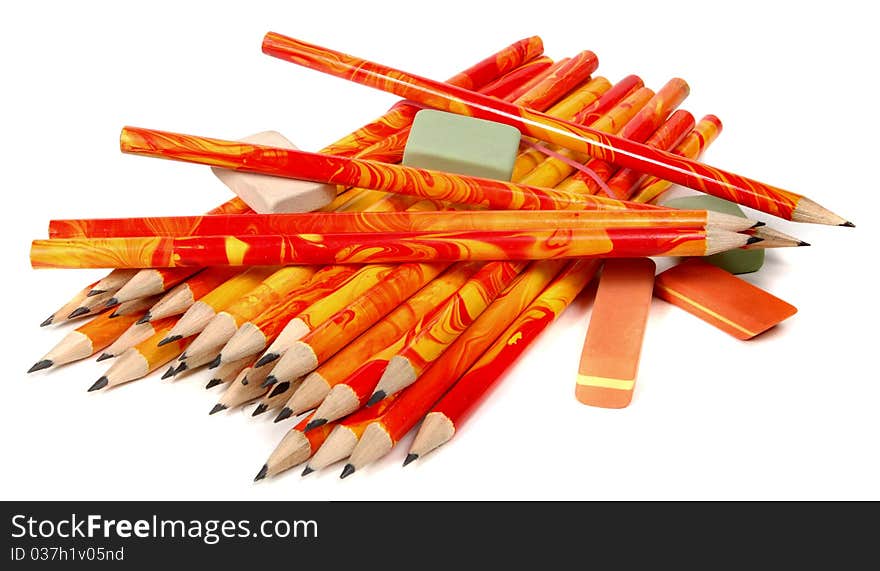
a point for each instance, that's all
(792, 414)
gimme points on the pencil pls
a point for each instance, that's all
(200, 313)
(270, 292)
(675, 168)
(456, 406)
(134, 335)
(227, 372)
(395, 325)
(61, 313)
(183, 295)
(112, 281)
(89, 306)
(458, 313)
(295, 448)
(530, 71)
(139, 305)
(150, 281)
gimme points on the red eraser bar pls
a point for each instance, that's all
(613, 345)
(722, 299)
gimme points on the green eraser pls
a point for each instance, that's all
(734, 261)
(463, 145)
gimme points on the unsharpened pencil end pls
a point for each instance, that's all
(145, 319)
(848, 224)
(376, 397)
(93, 292)
(78, 311)
(269, 381)
(409, 458)
(213, 383)
(169, 339)
(103, 357)
(262, 473)
(753, 240)
(169, 373)
(47, 321)
(315, 424)
(217, 408)
(266, 359)
(40, 365)
(284, 414)
(111, 302)
(99, 384)
(347, 471)
(261, 408)
(306, 471)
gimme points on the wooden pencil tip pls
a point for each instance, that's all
(262, 473)
(111, 302)
(848, 224)
(217, 408)
(315, 424)
(78, 311)
(376, 397)
(753, 240)
(169, 372)
(269, 381)
(347, 471)
(170, 339)
(99, 384)
(47, 321)
(306, 471)
(284, 414)
(40, 365)
(410, 458)
(213, 383)
(266, 359)
(215, 363)
(93, 292)
(261, 408)
(103, 357)
(145, 319)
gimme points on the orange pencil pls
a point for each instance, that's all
(134, 335)
(183, 295)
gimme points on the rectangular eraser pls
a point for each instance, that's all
(736, 261)
(462, 145)
(613, 345)
(272, 194)
(721, 299)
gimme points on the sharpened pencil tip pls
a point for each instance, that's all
(758, 224)
(47, 321)
(347, 471)
(217, 408)
(145, 319)
(802, 243)
(78, 311)
(111, 302)
(40, 365)
(183, 357)
(315, 424)
(848, 224)
(103, 357)
(284, 414)
(261, 408)
(169, 372)
(93, 292)
(306, 471)
(181, 368)
(753, 240)
(113, 314)
(215, 363)
(170, 339)
(213, 383)
(99, 384)
(376, 397)
(279, 388)
(410, 458)
(262, 473)
(269, 381)
(266, 359)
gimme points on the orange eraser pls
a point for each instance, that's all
(610, 358)
(722, 299)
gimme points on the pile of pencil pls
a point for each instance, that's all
(408, 297)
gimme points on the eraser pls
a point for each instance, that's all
(613, 345)
(736, 261)
(272, 194)
(462, 145)
(721, 299)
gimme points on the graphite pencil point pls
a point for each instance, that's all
(376, 397)
(169, 372)
(802, 243)
(181, 368)
(269, 381)
(279, 388)
(47, 321)
(213, 383)
(99, 384)
(40, 365)
(347, 471)
(758, 224)
(284, 414)
(217, 408)
(261, 408)
(753, 240)
(146, 318)
(104, 357)
(95, 292)
(848, 224)
(215, 363)
(78, 311)
(182, 357)
(111, 302)
(410, 458)
(168, 340)
(315, 424)
(266, 359)
(262, 473)
(306, 471)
